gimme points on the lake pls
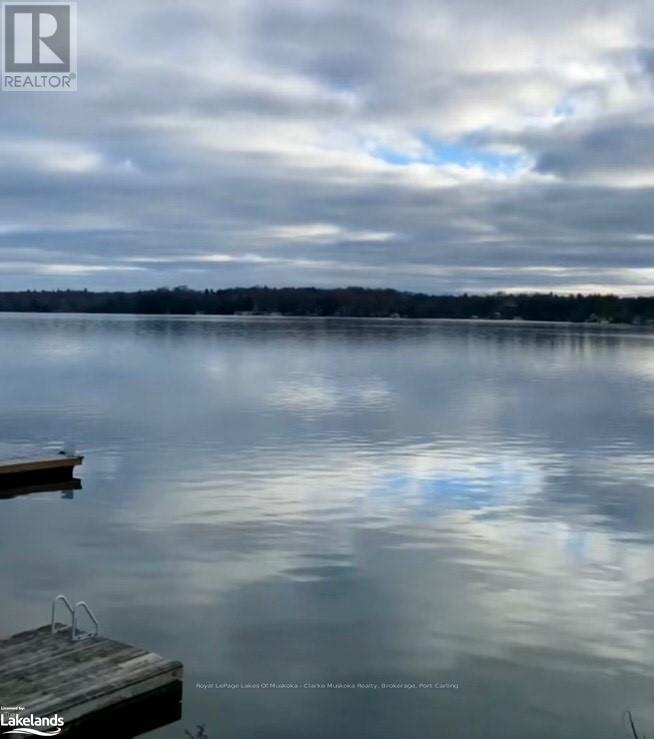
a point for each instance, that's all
(463, 507)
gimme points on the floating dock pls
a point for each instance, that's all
(99, 687)
(21, 472)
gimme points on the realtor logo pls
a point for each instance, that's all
(39, 46)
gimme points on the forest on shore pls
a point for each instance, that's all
(345, 302)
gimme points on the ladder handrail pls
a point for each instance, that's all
(75, 635)
(90, 614)
(66, 602)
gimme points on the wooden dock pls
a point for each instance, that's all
(18, 472)
(100, 687)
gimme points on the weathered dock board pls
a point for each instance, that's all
(17, 472)
(93, 682)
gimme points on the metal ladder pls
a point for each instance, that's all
(75, 634)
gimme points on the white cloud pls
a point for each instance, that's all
(321, 233)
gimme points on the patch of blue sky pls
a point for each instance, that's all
(564, 109)
(463, 153)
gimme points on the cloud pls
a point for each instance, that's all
(322, 233)
(439, 147)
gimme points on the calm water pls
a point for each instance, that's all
(309, 501)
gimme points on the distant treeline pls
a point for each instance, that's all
(349, 301)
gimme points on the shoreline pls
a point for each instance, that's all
(594, 325)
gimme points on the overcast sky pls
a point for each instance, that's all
(437, 146)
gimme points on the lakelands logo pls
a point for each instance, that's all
(12, 722)
(39, 47)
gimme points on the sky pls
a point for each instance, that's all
(440, 146)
